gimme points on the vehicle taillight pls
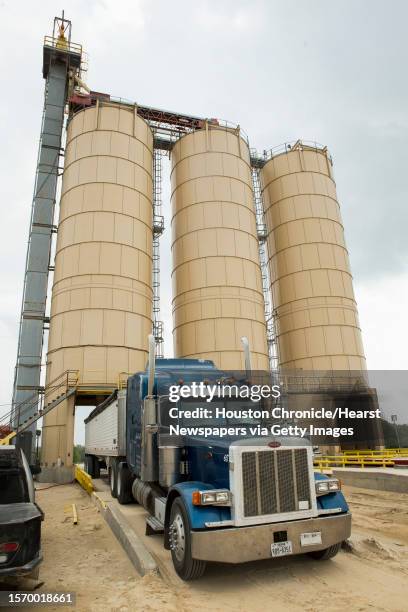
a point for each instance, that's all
(8, 547)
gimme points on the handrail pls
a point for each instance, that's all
(373, 453)
(325, 462)
(62, 45)
(67, 380)
(305, 382)
(295, 145)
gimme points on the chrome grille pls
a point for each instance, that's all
(302, 475)
(286, 482)
(267, 484)
(275, 481)
(249, 484)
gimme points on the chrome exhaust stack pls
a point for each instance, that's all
(149, 464)
(247, 355)
(151, 365)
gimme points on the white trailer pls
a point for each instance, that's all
(105, 434)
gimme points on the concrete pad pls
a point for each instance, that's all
(136, 518)
(381, 479)
(130, 541)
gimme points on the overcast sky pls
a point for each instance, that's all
(331, 71)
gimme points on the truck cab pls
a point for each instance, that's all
(228, 499)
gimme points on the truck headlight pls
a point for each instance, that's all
(216, 497)
(331, 485)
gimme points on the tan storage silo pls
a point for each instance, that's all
(101, 311)
(316, 316)
(217, 288)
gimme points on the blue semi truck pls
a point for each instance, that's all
(228, 499)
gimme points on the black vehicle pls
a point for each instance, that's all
(20, 517)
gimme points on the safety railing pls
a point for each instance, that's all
(60, 385)
(310, 382)
(286, 147)
(326, 462)
(62, 44)
(230, 127)
(38, 401)
(390, 452)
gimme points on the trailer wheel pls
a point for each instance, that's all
(180, 543)
(113, 478)
(89, 465)
(124, 484)
(96, 467)
(326, 553)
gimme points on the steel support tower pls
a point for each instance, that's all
(61, 62)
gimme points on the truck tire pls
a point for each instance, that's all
(326, 553)
(124, 484)
(180, 543)
(113, 478)
(96, 468)
(89, 465)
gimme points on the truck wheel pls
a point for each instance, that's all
(326, 553)
(96, 468)
(124, 484)
(89, 465)
(113, 478)
(180, 544)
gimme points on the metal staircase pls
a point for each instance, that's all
(33, 408)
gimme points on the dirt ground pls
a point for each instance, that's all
(370, 574)
(87, 559)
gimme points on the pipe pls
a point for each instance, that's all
(81, 83)
(151, 365)
(247, 353)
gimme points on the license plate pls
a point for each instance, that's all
(311, 539)
(281, 549)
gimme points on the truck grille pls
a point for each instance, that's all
(275, 481)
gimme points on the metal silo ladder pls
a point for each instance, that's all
(158, 228)
(263, 260)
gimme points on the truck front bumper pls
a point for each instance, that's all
(242, 544)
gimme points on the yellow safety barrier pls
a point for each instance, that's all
(84, 479)
(326, 462)
(388, 452)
